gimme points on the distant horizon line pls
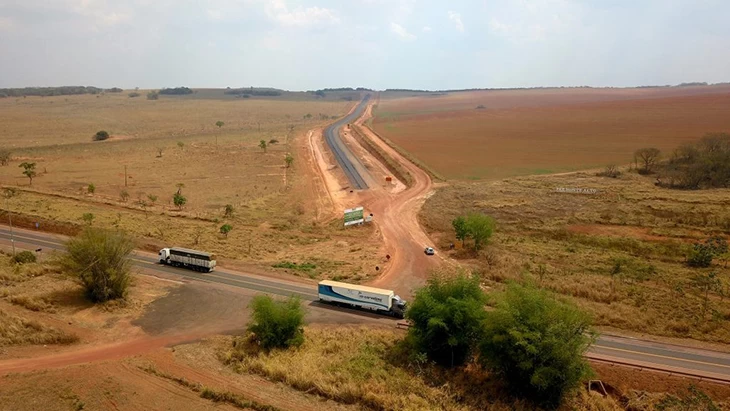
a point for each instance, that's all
(411, 90)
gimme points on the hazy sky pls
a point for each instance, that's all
(311, 44)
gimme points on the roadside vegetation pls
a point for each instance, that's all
(636, 256)
(100, 259)
(450, 327)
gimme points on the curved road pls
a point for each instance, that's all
(709, 365)
(342, 153)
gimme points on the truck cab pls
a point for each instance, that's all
(399, 306)
(164, 255)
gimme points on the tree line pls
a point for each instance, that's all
(258, 92)
(49, 91)
(703, 164)
(178, 91)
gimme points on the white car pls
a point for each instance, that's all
(429, 251)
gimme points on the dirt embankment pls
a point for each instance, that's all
(395, 167)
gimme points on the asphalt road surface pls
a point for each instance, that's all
(342, 153)
(706, 364)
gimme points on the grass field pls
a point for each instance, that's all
(571, 244)
(273, 206)
(526, 132)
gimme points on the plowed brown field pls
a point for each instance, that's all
(520, 132)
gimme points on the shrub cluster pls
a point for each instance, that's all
(24, 257)
(100, 260)
(533, 341)
(705, 164)
(277, 324)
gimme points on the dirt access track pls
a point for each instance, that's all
(394, 209)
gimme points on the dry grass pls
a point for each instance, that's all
(211, 394)
(570, 243)
(18, 331)
(274, 208)
(364, 366)
(524, 132)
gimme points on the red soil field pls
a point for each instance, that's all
(522, 132)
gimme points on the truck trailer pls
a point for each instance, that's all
(359, 296)
(192, 259)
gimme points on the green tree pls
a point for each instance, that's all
(91, 188)
(262, 144)
(277, 324)
(101, 261)
(446, 317)
(228, 211)
(700, 255)
(219, 124)
(460, 229)
(288, 160)
(88, 218)
(536, 343)
(179, 200)
(225, 229)
(101, 135)
(480, 228)
(28, 170)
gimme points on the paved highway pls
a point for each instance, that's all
(341, 152)
(706, 364)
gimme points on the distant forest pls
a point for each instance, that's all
(48, 91)
(177, 91)
(250, 91)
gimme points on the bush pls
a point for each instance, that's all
(446, 318)
(700, 255)
(100, 260)
(611, 171)
(153, 95)
(133, 94)
(24, 257)
(277, 324)
(537, 344)
(101, 135)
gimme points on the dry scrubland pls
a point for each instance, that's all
(274, 217)
(524, 132)
(366, 367)
(570, 243)
(38, 305)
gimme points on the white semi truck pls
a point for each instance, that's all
(359, 296)
(192, 259)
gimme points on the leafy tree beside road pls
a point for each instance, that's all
(277, 324)
(100, 260)
(446, 317)
(536, 343)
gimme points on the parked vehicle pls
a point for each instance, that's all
(429, 251)
(192, 259)
(359, 296)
